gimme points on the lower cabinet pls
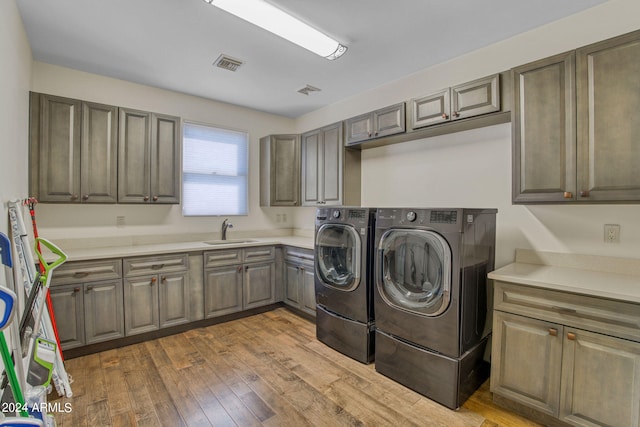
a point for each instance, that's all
(88, 311)
(238, 279)
(156, 292)
(544, 357)
(299, 278)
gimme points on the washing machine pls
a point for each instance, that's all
(344, 280)
(432, 299)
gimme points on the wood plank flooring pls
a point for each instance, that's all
(263, 370)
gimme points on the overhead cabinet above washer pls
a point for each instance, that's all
(466, 100)
(375, 124)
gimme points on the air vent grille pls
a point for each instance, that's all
(308, 89)
(227, 63)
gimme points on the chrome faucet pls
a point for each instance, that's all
(225, 224)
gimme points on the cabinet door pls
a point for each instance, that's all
(259, 284)
(59, 149)
(173, 299)
(480, 96)
(68, 308)
(359, 128)
(600, 380)
(222, 290)
(134, 156)
(292, 284)
(608, 125)
(389, 121)
(431, 109)
(307, 286)
(544, 138)
(103, 311)
(332, 155)
(141, 304)
(311, 168)
(526, 361)
(165, 159)
(99, 151)
(280, 170)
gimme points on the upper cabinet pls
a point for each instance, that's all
(330, 174)
(574, 125)
(376, 124)
(280, 170)
(149, 158)
(84, 152)
(73, 150)
(478, 97)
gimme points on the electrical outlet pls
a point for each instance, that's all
(284, 217)
(119, 221)
(278, 218)
(612, 233)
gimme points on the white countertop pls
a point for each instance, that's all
(164, 248)
(587, 280)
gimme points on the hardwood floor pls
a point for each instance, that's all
(263, 370)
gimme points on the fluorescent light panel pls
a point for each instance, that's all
(270, 18)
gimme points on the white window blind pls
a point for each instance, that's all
(214, 171)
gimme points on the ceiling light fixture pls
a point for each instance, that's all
(280, 23)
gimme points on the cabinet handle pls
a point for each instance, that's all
(571, 336)
(155, 198)
(246, 268)
(375, 134)
(76, 290)
(74, 197)
(302, 269)
(456, 114)
(239, 269)
(85, 197)
(553, 332)
(445, 116)
(81, 274)
(164, 278)
(153, 280)
(369, 134)
(145, 198)
(88, 289)
(568, 195)
(584, 193)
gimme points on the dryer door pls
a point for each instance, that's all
(338, 249)
(416, 271)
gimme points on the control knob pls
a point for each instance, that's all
(411, 216)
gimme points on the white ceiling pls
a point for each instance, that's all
(172, 44)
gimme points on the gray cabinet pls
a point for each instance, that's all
(563, 355)
(280, 170)
(156, 292)
(87, 301)
(73, 150)
(330, 174)
(574, 130)
(149, 158)
(238, 279)
(376, 124)
(466, 100)
(299, 277)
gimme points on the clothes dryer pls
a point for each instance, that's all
(343, 280)
(431, 299)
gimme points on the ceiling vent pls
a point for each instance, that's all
(228, 63)
(308, 90)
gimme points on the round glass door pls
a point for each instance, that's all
(416, 271)
(338, 256)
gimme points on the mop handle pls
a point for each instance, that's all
(62, 257)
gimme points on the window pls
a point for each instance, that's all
(214, 171)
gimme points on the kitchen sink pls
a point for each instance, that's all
(229, 242)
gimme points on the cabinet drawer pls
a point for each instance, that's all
(87, 271)
(298, 255)
(616, 318)
(155, 264)
(220, 258)
(260, 253)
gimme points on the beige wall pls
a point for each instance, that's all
(15, 79)
(473, 168)
(73, 221)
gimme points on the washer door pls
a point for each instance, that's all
(338, 249)
(415, 271)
